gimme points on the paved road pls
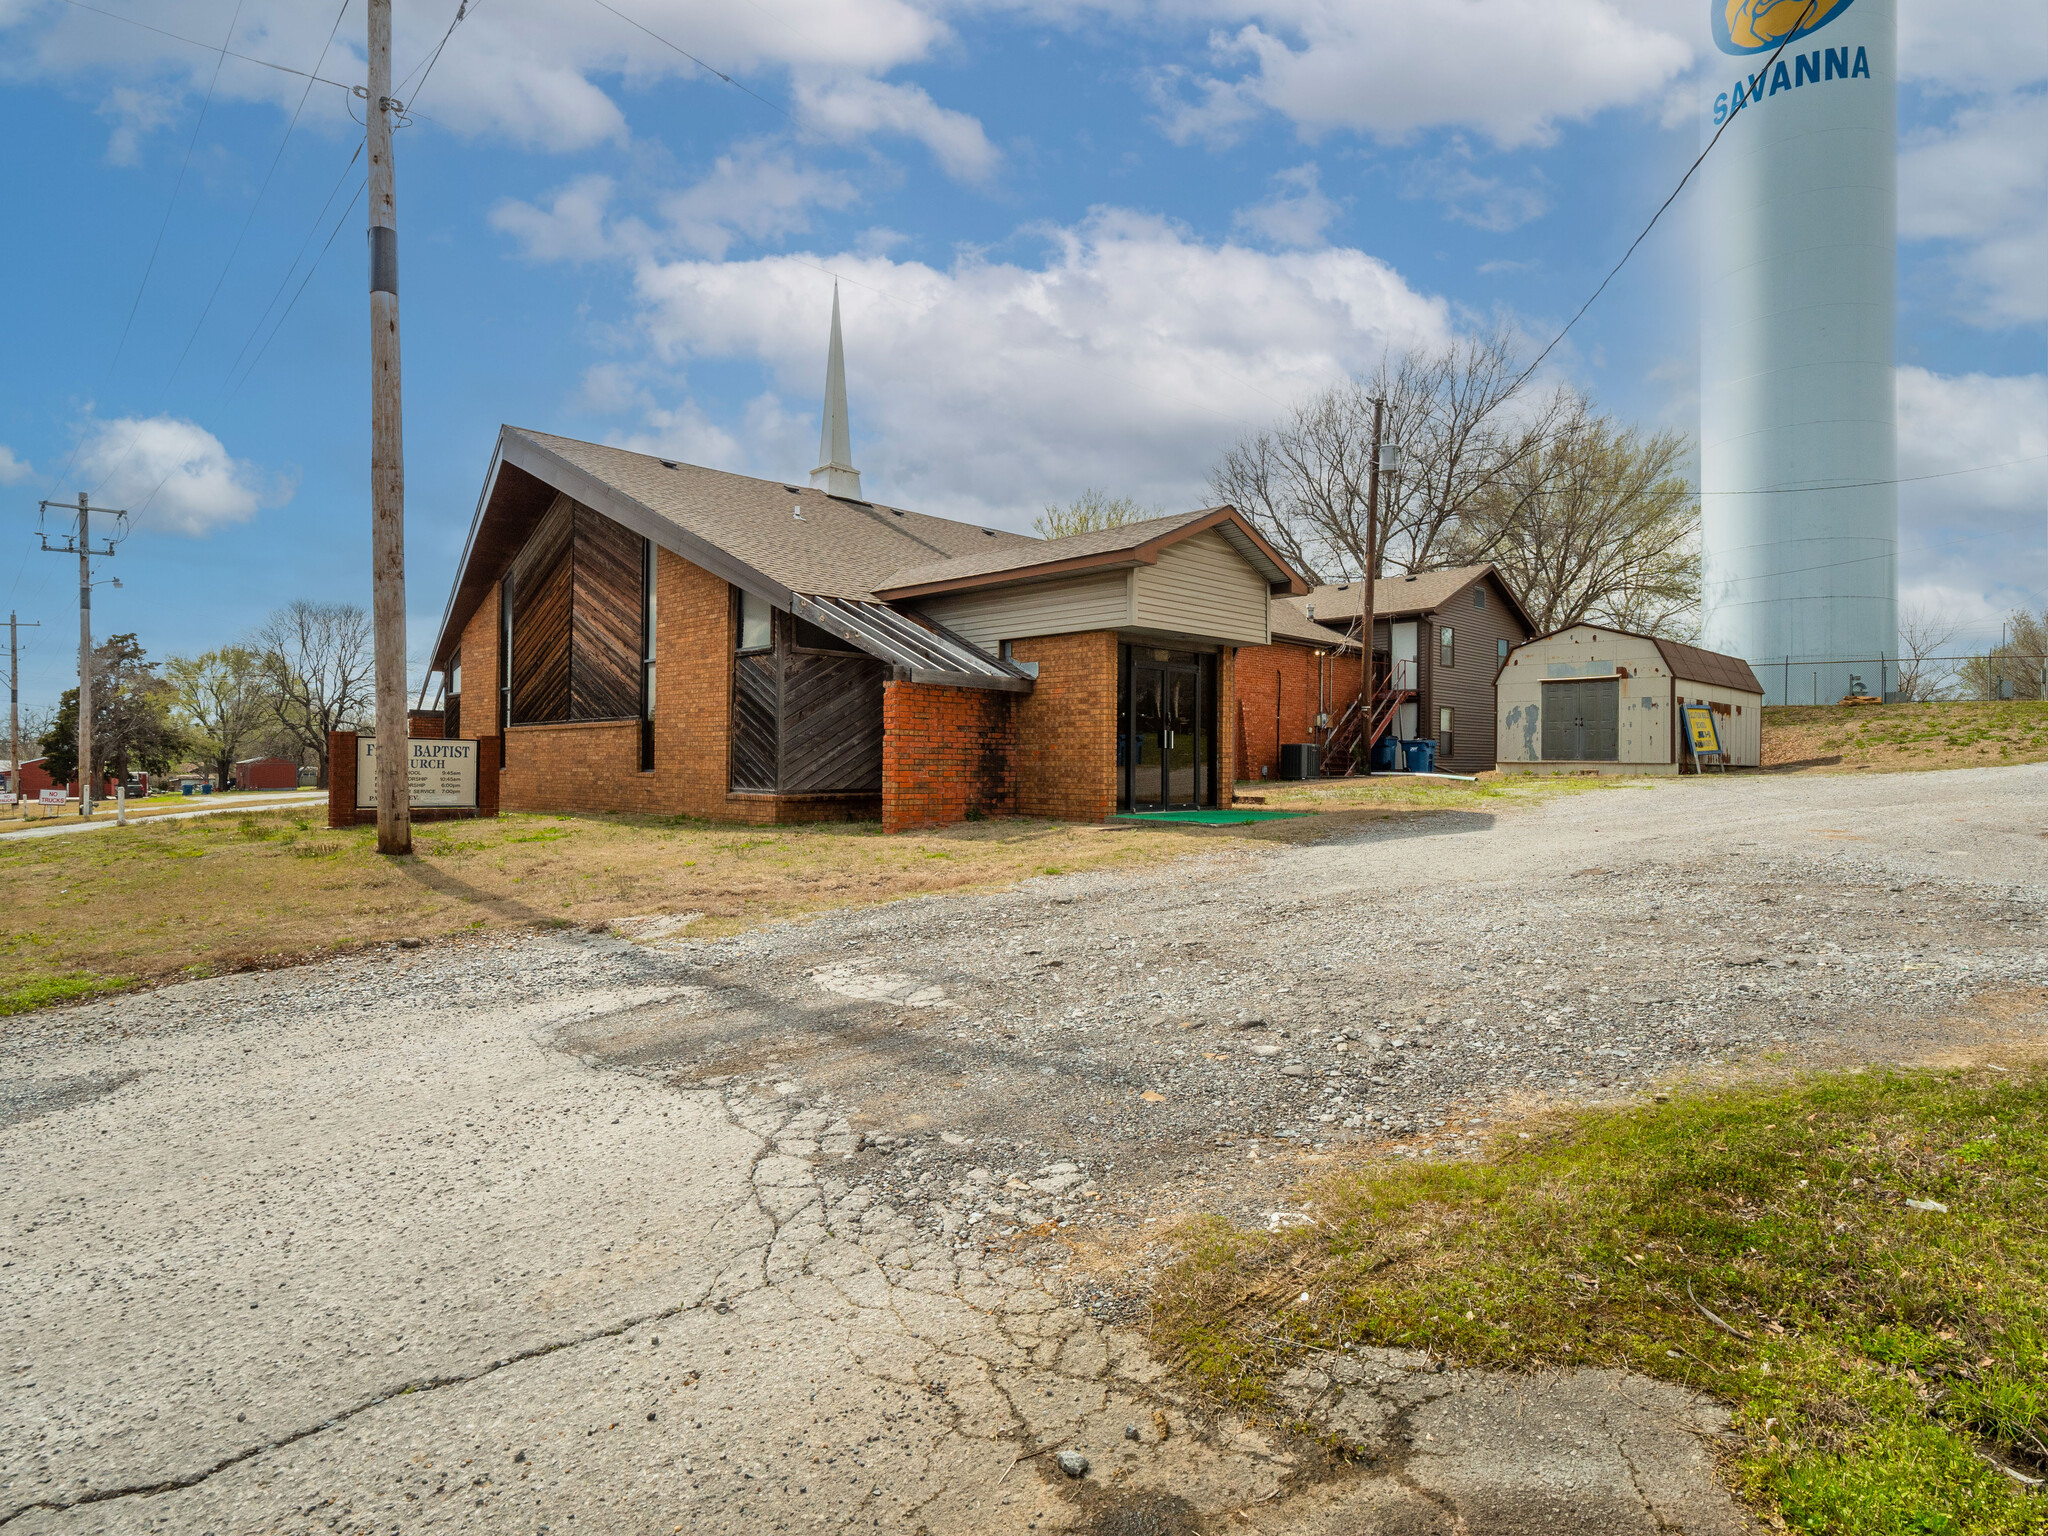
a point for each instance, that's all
(571, 1232)
(137, 817)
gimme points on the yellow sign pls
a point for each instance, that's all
(1699, 728)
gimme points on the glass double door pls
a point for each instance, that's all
(1167, 742)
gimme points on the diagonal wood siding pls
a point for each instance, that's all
(832, 724)
(541, 580)
(606, 618)
(756, 705)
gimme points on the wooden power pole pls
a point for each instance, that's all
(387, 455)
(81, 546)
(14, 628)
(1366, 580)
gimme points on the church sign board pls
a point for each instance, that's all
(442, 773)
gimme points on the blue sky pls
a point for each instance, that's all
(1080, 244)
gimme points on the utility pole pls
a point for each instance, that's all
(387, 456)
(1370, 575)
(81, 546)
(14, 628)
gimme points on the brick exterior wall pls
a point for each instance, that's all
(595, 765)
(946, 753)
(1286, 674)
(426, 724)
(1066, 727)
(1226, 724)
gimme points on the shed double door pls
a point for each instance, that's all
(1582, 720)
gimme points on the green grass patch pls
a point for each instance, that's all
(48, 991)
(1885, 1352)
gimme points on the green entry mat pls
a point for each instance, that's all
(1212, 818)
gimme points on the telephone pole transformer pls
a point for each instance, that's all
(81, 545)
(387, 455)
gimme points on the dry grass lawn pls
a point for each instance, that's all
(1904, 738)
(103, 911)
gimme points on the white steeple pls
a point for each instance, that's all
(835, 474)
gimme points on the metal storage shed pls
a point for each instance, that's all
(1589, 699)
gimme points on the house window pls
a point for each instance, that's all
(647, 657)
(1449, 651)
(1479, 597)
(757, 623)
(1443, 731)
(1501, 651)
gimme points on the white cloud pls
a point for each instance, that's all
(1981, 181)
(851, 109)
(1296, 214)
(172, 473)
(12, 470)
(570, 228)
(1510, 70)
(1973, 543)
(1484, 202)
(753, 193)
(1130, 357)
(1988, 45)
(134, 113)
(526, 71)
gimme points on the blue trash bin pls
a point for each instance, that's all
(1384, 754)
(185, 789)
(1421, 756)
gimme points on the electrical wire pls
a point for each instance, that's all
(707, 68)
(177, 186)
(275, 160)
(1791, 33)
(247, 58)
(1860, 485)
(283, 282)
(315, 267)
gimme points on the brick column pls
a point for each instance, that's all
(946, 754)
(341, 778)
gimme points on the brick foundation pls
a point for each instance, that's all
(947, 753)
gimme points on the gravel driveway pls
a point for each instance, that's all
(841, 1225)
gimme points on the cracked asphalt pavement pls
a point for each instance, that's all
(844, 1225)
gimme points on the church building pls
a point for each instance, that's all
(631, 633)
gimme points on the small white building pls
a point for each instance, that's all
(1594, 700)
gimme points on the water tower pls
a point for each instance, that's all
(1798, 437)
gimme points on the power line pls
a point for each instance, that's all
(1858, 485)
(315, 267)
(247, 58)
(707, 68)
(1791, 33)
(260, 191)
(257, 329)
(176, 187)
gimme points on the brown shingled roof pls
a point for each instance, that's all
(1398, 596)
(1130, 544)
(1716, 669)
(1292, 625)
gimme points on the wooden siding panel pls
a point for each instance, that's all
(1202, 586)
(1081, 603)
(832, 724)
(1467, 686)
(606, 619)
(541, 581)
(756, 702)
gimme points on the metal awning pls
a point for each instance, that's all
(921, 652)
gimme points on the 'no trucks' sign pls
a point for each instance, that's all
(443, 773)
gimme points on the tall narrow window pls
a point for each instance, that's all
(504, 663)
(1450, 649)
(757, 623)
(1501, 652)
(1444, 738)
(647, 656)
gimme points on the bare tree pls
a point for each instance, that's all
(1923, 635)
(1462, 418)
(226, 702)
(1090, 512)
(2016, 668)
(1598, 524)
(319, 661)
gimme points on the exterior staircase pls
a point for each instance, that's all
(1394, 686)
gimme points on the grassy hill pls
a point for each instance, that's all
(1904, 737)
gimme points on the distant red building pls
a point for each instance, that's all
(266, 773)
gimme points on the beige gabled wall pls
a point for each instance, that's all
(1644, 737)
(1741, 728)
(1100, 600)
(1203, 586)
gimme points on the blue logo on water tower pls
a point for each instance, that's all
(1758, 26)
